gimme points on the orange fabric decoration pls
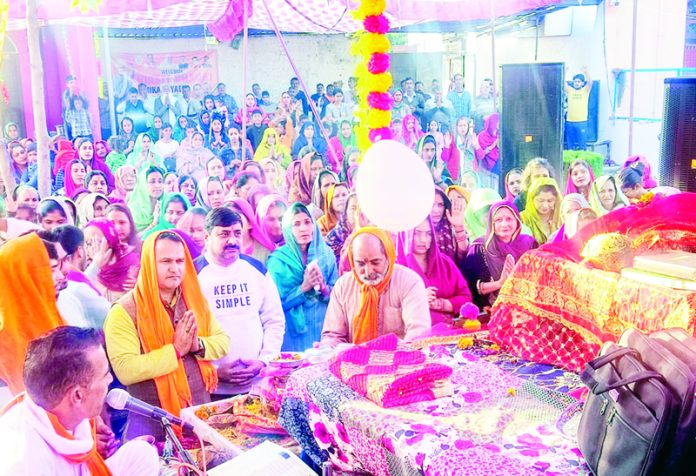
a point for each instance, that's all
(365, 322)
(28, 305)
(94, 461)
(155, 328)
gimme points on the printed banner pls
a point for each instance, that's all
(156, 69)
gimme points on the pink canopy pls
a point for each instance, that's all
(225, 16)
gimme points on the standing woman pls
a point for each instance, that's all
(143, 156)
(145, 201)
(304, 287)
(446, 287)
(580, 178)
(255, 242)
(334, 206)
(543, 211)
(606, 196)
(492, 257)
(399, 108)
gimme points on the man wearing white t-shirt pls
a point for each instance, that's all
(243, 298)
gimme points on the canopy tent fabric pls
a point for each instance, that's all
(296, 16)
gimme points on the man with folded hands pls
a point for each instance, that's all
(379, 297)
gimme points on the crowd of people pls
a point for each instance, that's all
(203, 251)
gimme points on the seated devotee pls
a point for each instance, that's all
(243, 181)
(125, 179)
(92, 205)
(171, 183)
(143, 155)
(174, 206)
(427, 149)
(121, 217)
(26, 195)
(470, 181)
(191, 160)
(605, 196)
(571, 203)
(256, 193)
(12, 227)
(255, 242)
(310, 164)
(580, 178)
(80, 303)
(476, 213)
(492, 257)
(447, 290)
(344, 227)
(161, 337)
(513, 183)
(378, 297)
(325, 179)
(631, 183)
(243, 298)
(334, 205)
(274, 176)
(211, 193)
(113, 265)
(309, 136)
(542, 213)
(304, 269)
(535, 168)
(188, 186)
(577, 220)
(271, 148)
(449, 225)
(95, 182)
(193, 224)
(54, 428)
(269, 214)
(31, 266)
(145, 201)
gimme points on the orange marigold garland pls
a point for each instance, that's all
(374, 79)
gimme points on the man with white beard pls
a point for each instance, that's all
(379, 296)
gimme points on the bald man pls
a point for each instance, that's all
(379, 296)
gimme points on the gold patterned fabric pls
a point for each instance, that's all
(556, 311)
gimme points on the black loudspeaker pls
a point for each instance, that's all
(531, 117)
(678, 138)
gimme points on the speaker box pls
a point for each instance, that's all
(531, 117)
(678, 138)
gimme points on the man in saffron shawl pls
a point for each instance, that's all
(50, 428)
(161, 337)
(379, 297)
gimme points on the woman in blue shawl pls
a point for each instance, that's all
(309, 135)
(304, 290)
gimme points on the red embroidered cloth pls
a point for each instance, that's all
(390, 373)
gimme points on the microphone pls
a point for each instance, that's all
(119, 399)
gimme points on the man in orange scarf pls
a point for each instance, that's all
(51, 429)
(379, 296)
(161, 337)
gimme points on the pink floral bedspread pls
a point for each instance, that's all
(494, 424)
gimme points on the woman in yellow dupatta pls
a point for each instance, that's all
(542, 213)
(271, 148)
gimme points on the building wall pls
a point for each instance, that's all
(318, 58)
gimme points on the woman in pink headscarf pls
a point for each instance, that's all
(648, 181)
(255, 242)
(116, 271)
(488, 154)
(447, 289)
(580, 178)
(411, 131)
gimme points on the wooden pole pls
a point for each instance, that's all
(37, 93)
(631, 112)
(245, 52)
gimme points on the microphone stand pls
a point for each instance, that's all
(183, 454)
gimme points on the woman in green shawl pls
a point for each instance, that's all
(304, 288)
(155, 130)
(476, 213)
(542, 213)
(174, 205)
(146, 199)
(605, 196)
(179, 133)
(143, 154)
